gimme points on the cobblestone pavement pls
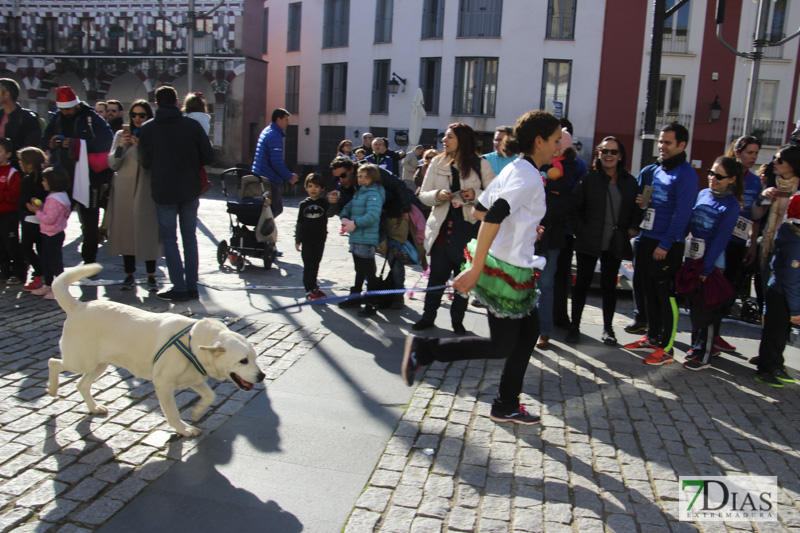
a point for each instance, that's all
(615, 434)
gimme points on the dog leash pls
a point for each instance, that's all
(175, 340)
(337, 299)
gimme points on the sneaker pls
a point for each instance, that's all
(14, 280)
(36, 283)
(753, 360)
(659, 357)
(636, 327)
(573, 336)
(173, 296)
(278, 254)
(766, 378)
(321, 294)
(410, 364)
(193, 295)
(368, 311)
(608, 337)
(642, 345)
(152, 284)
(128, 283)
(781, 375)
(696, 364)
(478, 304)
(721, 344)
(41, 291)
(518, 416)
(50, 296)
(421, 324)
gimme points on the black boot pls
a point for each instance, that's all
(352, 303)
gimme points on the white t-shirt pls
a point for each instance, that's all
(520, 184)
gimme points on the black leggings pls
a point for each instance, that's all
(365, 270)
(512, 339)
(31, 242)
(609, 269)
(129, 262)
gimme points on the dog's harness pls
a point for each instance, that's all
(175, 340)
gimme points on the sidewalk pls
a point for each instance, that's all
(333, 440)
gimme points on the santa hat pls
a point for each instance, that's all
(793, 211)
(66, 97)
(566, 139)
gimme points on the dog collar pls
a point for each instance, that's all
(175, 340)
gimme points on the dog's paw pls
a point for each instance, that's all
(99, 410)
(188, 431)
(52, 391)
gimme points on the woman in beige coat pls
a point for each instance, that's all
(452, 184)
(132, 221)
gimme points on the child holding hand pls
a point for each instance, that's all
(31, 162)
(361, 219)
(53, 216)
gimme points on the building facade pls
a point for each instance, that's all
(482, 62)
(106, 50)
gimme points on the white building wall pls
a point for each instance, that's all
(521, 51)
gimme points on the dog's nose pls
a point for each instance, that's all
(261, 376)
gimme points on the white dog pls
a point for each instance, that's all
(100, 332)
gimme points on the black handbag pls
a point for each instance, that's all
(620, 246)
(383, 301)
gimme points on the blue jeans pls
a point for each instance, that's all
(545, 285)
(185, 214)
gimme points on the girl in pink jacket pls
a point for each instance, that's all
(53, 216)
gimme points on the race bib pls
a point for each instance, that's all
(742, 228)
(695, 248)
(649, 217)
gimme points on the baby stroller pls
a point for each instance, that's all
(253, 230)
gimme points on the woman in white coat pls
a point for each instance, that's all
(131, 218)
(452, 184)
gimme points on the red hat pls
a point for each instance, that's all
(66, 97)
(793, 211)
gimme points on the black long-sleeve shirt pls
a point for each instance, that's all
(312, 221)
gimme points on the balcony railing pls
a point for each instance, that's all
(771, 132)
(676, 41)
(662, 119)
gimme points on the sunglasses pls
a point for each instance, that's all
(429, 158)
(778, 160)
(339, 176)
(138, 115)
(718, 176)
(606, 151)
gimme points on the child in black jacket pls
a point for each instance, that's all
(311, 232)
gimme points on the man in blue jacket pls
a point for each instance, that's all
(659, 247)
(268, 161)
(173, 147)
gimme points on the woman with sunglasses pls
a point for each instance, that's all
(710, 229)
(604, 221)
(131, 215)
(346, 150)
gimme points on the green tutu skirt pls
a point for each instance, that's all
(508, 291)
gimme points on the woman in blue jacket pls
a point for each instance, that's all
(711, 226)
(361, 219)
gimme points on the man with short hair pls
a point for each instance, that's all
(659, 247)
(174, 147)
(114, 115)
(366, 140)
(72, 123)
(498, 158)
(268, 161)
(379, 156)
(101, 108)
(18, 124)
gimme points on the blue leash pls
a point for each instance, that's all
(337, 299)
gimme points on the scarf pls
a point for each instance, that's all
(722, 194)
(672, 162)
(777, 212)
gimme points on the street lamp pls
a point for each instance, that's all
(394, 84)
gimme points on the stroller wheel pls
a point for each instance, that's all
(240, 264)
(269, 254)
(222, 252)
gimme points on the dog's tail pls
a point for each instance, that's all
(67, 278)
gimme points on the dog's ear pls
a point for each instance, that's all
(215, 350)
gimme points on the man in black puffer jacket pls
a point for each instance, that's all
(173, 148)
